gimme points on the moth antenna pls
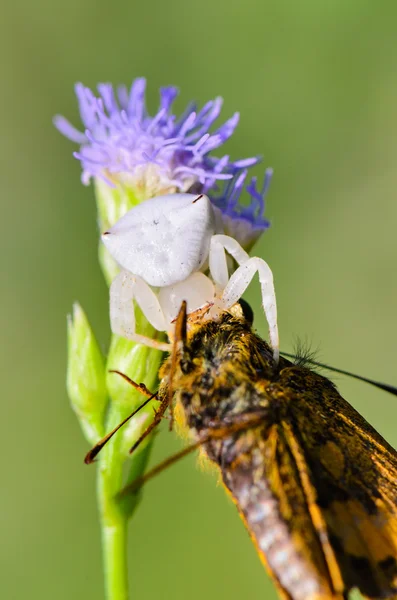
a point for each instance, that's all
(140, 387)
(392, 389)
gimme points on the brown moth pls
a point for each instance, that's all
(314, 483)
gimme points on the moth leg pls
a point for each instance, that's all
(167, 400)
(158, 415)
(178, 347)
(219, 431)
(235, 287)
(140, 387)
(126, 288)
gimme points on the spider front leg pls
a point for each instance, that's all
(126, 288)
(235, 287)
(218, 261)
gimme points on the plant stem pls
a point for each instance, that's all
(116, 468)
(114, 539)
(114, 511)
(114, 548)
(113, 517)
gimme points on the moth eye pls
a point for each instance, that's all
(247, 311)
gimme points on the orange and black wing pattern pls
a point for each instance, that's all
(349, 473)
(316, 487)
(315, 484)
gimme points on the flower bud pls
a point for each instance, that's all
(141, 364)
(86, 383)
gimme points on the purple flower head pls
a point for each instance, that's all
(151, 155)
(244, 223)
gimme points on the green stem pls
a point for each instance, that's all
(114, 523)
(115, 511)
(116, 468)
(114, 548)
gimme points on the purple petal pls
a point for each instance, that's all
(120, 136)
(227, 129)
(109, 100)
(86, 100)
(123, 96)
(167, 97)
(247, 162)
(68, 130)
(188, 124)
(136, 104)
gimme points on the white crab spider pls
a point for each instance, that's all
(166, 243)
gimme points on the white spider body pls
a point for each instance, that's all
(165, 242)
(165, 239)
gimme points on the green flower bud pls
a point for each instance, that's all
(117, 466)
(85, 380)
(141, 364)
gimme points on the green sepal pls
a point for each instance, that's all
(86, 384)
(113, 202)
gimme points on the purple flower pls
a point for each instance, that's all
(244, 223)
(152, 155)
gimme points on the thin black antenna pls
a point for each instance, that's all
(90, 456)
(140, 387)
(383, 386)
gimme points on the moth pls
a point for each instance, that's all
(314, 483)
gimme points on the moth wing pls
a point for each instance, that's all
(349, 474)
(261, 473)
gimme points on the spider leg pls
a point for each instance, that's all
(124, 289)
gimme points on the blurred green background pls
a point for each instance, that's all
(316, 85)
